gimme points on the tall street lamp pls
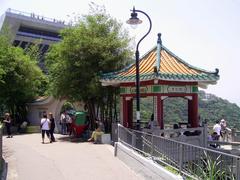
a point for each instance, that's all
(134, 20)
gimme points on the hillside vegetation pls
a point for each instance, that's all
(211, 108)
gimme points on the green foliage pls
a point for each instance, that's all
(96, 44)
(67, 106)
(211, 109)
(175, 110)
(210, 169)
(20, 77)
(172, 170)
(215, 108)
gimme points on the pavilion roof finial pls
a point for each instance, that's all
(159, 38)
(159, 47)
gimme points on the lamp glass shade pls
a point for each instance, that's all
(134, 21)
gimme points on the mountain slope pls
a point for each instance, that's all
(211, 108)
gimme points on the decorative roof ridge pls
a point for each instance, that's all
(189, 65)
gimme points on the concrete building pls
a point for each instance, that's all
(27, 29)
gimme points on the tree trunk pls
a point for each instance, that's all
(92, 114)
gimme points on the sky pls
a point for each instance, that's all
(204, 33)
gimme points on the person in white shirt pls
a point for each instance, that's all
(217, 129)
(45, 127)
(63, 122)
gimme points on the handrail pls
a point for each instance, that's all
(183, 143)
(35, 16)
(178, 154)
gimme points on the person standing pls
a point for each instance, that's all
(7, 120)
(45, 126)
(63, 122)
(152, 124)
(52, 126)
(225, 131)
(217, 129)
(69, 124)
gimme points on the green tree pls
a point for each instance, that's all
(97, 43)
(20, 77)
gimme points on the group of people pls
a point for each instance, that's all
(47, 127)
(220, 130)
(66, 123)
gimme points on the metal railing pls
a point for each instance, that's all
(35, 16)
(188, 160)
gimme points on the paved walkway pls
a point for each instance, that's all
(28, 159)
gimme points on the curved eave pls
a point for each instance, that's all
(202, 80)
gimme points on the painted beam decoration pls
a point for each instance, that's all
(165, 89)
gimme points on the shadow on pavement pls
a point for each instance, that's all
(72, 139)
(4, 170)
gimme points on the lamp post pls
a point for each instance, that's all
(134, 20)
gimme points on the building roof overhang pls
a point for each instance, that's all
(171, 68)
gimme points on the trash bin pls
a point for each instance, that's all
(79, 125)
(80, 118)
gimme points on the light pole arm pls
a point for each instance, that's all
(150, 27)
(134, 15)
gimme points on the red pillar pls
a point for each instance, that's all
(195, 120)
(193, 111)
(190, 105)
(162, 123)
(130, 113)
(160, 112)
(125, 113)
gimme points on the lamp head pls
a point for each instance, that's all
(134, 20)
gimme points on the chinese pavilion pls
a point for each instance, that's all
(162, 75)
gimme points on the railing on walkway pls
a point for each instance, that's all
(189, 160)
(195, 136)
